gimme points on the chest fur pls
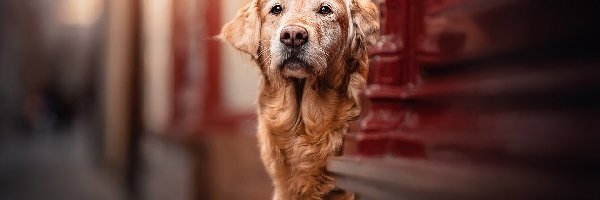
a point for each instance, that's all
(303, 122)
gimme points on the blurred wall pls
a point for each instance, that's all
(239, 77)
(185, 75)
(50, 58)
(157, 64)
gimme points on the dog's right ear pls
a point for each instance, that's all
(243, 32)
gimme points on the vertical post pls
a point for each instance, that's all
(123, 91)
(135, 102)
(180, 59)
(393, 69)
(196, 65)
(212, 82)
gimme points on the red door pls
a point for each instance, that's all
(479, 99)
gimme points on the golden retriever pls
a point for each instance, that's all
(313, 58)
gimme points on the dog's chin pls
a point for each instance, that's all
(295, 69)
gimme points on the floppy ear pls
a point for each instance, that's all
(243, 32)
(365, 22)
(365, 19)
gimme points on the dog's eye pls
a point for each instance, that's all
(276, 9)
(325, 10)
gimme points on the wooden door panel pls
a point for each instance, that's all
(479, 99)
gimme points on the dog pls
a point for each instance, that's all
(313, 58)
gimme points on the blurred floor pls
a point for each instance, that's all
(61, 165)
(167, 170)
(52, 165)
(229, 167)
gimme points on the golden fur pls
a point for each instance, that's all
(303, 114)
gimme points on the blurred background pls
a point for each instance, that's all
(136, 99)
(113, 99)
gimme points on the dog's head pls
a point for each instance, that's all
(303, 38)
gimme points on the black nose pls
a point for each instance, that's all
(293, 36)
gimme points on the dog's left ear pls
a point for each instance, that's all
(365, 32)
(243, 32)
(365, 24)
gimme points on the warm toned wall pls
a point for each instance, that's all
(157, 64)
(239, 77)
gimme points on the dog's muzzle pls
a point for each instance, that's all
(295, 39)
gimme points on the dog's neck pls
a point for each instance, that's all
(305, 105)
(298, 84)
(302, 124)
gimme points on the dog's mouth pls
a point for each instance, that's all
(295, 66)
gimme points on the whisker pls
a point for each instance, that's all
(261, 53)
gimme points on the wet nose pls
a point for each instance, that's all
(293, 36)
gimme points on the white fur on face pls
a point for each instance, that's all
(327, 37)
